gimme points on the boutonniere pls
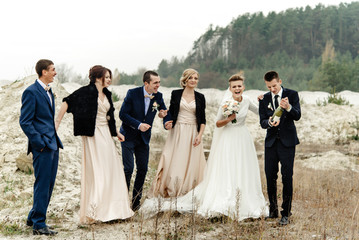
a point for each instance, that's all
(55, 95)
(270, 106)
(155, 106)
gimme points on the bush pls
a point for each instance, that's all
(337, 99)
(355, 125)
(115, 97)
(333, 98)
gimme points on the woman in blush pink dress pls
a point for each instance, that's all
(182, 161)
(104, 194)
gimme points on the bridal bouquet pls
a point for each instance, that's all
(229, 108)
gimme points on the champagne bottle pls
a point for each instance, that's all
(277, 114)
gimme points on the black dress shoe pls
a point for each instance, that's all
(271, 215)
(284, 221)
(136, 207)
(44, 231)
(29, 223)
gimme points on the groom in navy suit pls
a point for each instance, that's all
(37, 122)
(280, 142)
(137, 113)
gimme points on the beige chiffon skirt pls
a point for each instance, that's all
(181, 165)
(104, 193)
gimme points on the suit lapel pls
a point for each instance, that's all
(270, 101)
(151, 103)
(53, 101)
(284, 93)
(43, 93)
(142, 100)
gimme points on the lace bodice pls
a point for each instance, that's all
(245, 105)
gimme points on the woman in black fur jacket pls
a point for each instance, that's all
(104, 194)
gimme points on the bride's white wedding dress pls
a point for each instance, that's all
(231, 185)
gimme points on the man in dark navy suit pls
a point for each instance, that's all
(37, 122)
(137, 113)
(280, 142)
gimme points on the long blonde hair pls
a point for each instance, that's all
(186, 75)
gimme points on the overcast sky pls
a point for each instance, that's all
(126, 34)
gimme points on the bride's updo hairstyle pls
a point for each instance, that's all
(98, 71)
(186, 75)
(236, 77)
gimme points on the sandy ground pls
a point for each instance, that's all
(323, 132)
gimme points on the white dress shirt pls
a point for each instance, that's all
(44, 86)
(280, 98)
(147, 100)
(147, 103)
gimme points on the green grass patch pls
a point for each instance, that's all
(9, 229)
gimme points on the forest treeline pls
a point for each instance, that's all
(311, 48)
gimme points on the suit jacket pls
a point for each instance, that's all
(83, 105)
(286, 131)
(132, 114)
(176, 96)
(37, 119)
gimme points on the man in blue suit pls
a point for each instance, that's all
(37, 122)
(280, 142)
(137, 113)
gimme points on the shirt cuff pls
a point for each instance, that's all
(269, 123)
(139, 126)
(290, 108)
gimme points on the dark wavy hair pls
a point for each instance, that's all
(98, 71)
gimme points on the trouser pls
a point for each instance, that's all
(274, 155)
(45, 169)
(140, 151)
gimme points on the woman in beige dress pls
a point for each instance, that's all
(182, 161)
(104, 194)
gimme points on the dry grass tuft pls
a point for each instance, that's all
(325, 206)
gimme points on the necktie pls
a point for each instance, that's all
(149, 96)
(276, 101)
(47, 88)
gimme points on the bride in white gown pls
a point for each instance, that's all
(231, 184)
